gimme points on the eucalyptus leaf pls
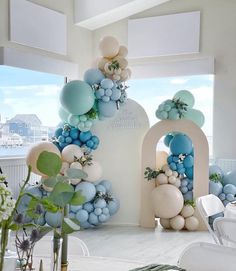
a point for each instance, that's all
(49, 163)
(78, 198)
(74, 173)
(50, 182)
(69, 226)
(61, 194)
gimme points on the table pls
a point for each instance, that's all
(230, 210)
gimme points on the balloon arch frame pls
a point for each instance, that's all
(201, 164)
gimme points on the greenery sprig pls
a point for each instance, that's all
(215, 177)
(151, 174)
(180, 106)
(190, 202)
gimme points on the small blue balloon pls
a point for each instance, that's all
(85, 136)
(179, 166)
(188, 161)
(170, 159)
(88, 207)
(113, 206)
(189, 172)
(229, 189)
(98, 211)
(116, 93)
(77, 142)
(90, 144)
(87, 189)
(75, 208)
(102, 218)
(184, 182)
(230, 197)
(82, 215)
(108, 109)
(58, 132)
(105, 211)
(184, 189)
(100, 203)
(173, 166)
(222, 196)
(53, 219)
(225, 202)
(173, 114)
(93, 219)
(190, 186)
(215, 188)
(101, 188)
(73, 120)
(107, 83)
(188, 196)
(107, 185)
(74, 133)
(93, 76)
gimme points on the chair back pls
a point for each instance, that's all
(225, 229)
(207, 206)
(207, 257)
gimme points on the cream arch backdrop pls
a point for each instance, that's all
(201, 164)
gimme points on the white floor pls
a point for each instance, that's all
(139, 244)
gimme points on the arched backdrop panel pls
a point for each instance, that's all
(201, 164)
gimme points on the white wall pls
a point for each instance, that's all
(218, 39)
(79, 40)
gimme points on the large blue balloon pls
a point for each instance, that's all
(77, 97)
(181, 144)
(215, 188)
(88, 190)
(230, 178)
(108, 109)
(93, 76)
(186, 97)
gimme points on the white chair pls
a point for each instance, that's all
(207, 206)
(207, 257)
(225, 229)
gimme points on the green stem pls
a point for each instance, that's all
(64, 239)
(4, 242)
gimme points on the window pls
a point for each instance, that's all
(151, 92)
(29, 103)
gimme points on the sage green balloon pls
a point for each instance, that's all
(196, 116)
(186, 97)
(77, 97)
(63, 114)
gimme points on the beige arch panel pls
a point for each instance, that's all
(201, 164)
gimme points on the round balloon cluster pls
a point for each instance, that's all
(180, 107)
(68, 134)
(100, 205)
(222, 185)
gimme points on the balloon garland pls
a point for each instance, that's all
(99, 96)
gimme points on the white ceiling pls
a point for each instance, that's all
(93, 14)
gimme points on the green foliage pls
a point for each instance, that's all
(92, 114)
(74, 173)
(49, 163)
(151, 174)
(77, 199)
(190, 202)
(180, 106)
(216, 178)
(114, 65)
(61, 194)
(69, 226)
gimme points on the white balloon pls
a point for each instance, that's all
(165, 223)
(162, 179)
(71, 152)
(177, 223)
(35, 151)
(167, 201)
(117, 71)
(109, 47)
(107, 69)
(93, 171)
(102, 62)
(177, 182)
(168, 172)
(191, 223)
(172, 179)
(123, 51)
(187, 211)
(175, 173)
(165, 167)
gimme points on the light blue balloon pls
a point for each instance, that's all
(186, 97)
(189, 172)
(105, 211)
(184, 189)
(164, 115)
(116, 93)
(88, 207)
(93, 76)
(87, 189)
(222, 196)
(181, 144)
(229, 189)
(107, 83)
(215, 188)
(53, 219)
(77, 97)
(225, 202)
(73, 120)
(188, 195)
(230, 197)
(85, 225)
(75, 208)
(63, 114)
(101, 188)
(93, 219)
(173, 114)
(214, 169)
(98, 211)
(107, 110)
(102, 218)
(100, 203)
(196, 116)
(82, 215)
(113, 206)
(107, 185)
(230, 178)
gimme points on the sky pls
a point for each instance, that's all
(23, 91)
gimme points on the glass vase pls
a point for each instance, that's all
(56, 247)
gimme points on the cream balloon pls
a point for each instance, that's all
(165, 223)
(109, 47)
(167, 201)
(187, 211)
(177, 223)
(191, 223)
(123, 63)
(177, 183)
(161, 159)
(93, 171)
(172, 179)
(162, 179)
(71, 153)
(34, 152)
(102, 62)
(123, 51)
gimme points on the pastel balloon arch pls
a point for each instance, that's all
(97, 97)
